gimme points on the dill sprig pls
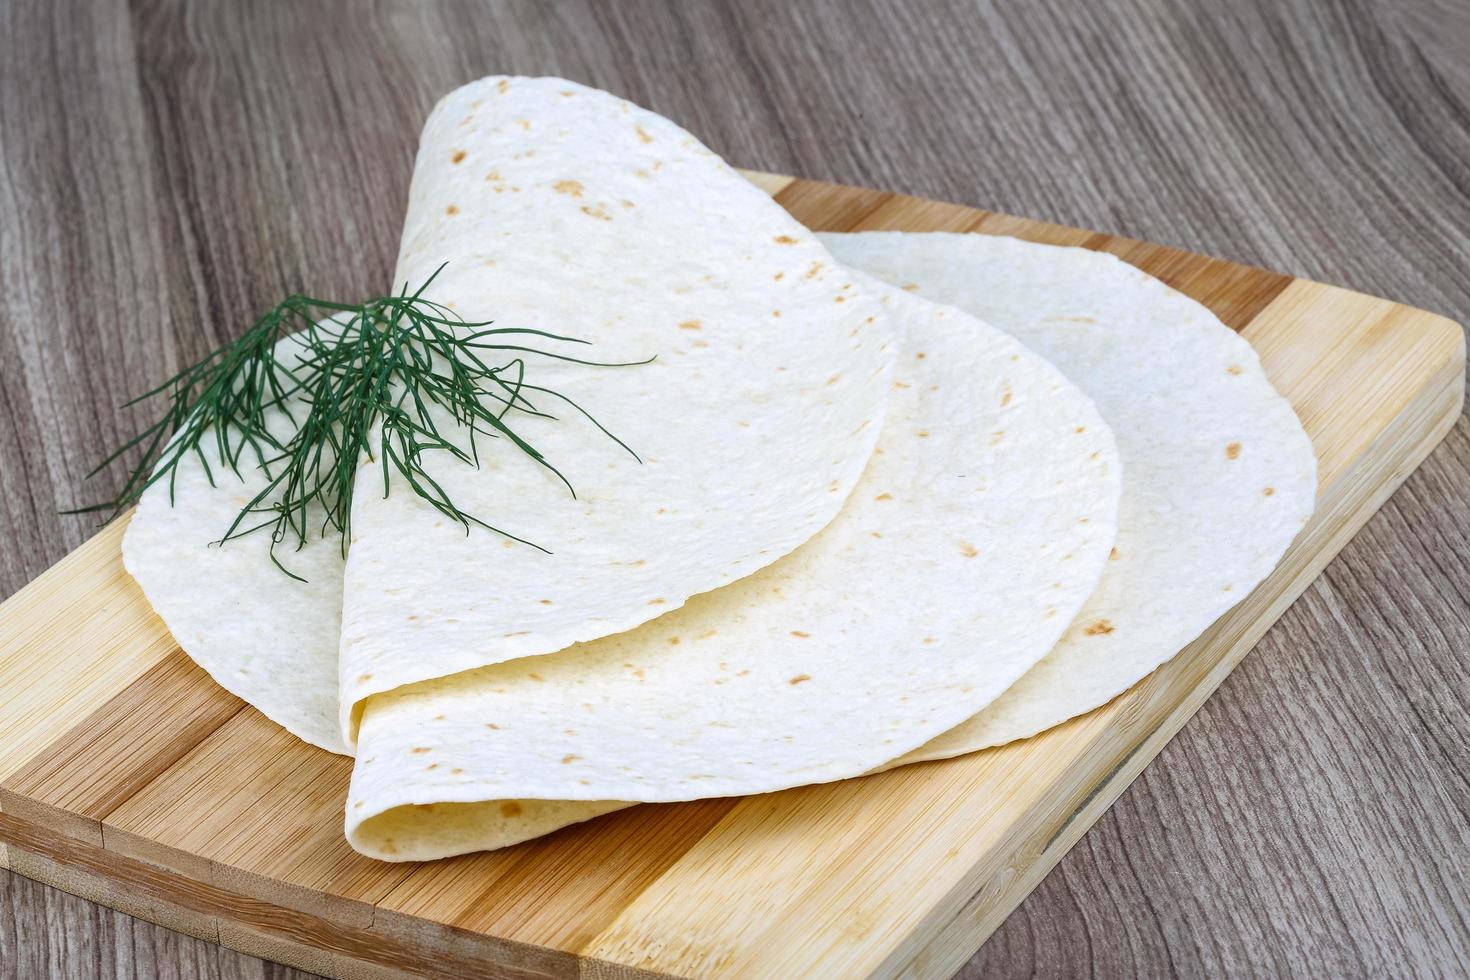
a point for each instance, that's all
(355, 381)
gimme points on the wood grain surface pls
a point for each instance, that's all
(170, 168)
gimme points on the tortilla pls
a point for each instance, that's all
(1219, 475)
(565, 209)
(264, 637)
(980, 527)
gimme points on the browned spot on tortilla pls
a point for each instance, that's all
(1233, 369)
(835, 378)
(566, 94)
(571, 188)
(1114, 555)
(884, 496)
(452, 209)
(922, 433)
(627, 204)
(1098, 627)
(839, 299)
(968, 550)
(545, 602)
(799, 678)
(1080, 429)
(524, 124)
(690, 325)
(1266, 492)
(569, 758)
(492, 726)
(930, 640)
(673, 641)
(799, 634)
(364, 678)
(432, 765)
(875, 534)
(596, 211)
(536, 677)
(1005, 399)
(779, 276)
(813, 270)
(920, 356)
(785, 240)
(910, 287)
(643, 135)
(389, 847)
(1232, 451)
(420, 750)
(458, 156)
(510, 808)
(656, 602)
(503, 85)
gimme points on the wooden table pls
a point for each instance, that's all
(169, 169)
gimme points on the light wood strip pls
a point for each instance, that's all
(88, 633)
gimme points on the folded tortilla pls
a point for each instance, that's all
(560, 208)
(1219, 475)
(565, 209)
(981, 525)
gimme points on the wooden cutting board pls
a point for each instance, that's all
(128, 777)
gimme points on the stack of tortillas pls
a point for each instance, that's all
(900, 497)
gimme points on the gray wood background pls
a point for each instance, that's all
(169, 169)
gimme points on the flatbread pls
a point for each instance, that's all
(981, 525)
(1219, 475)
(576, 212)
(565, 209)
(264, 637)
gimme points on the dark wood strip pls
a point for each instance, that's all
(829, 207)
(1234, 293)
(119, 748)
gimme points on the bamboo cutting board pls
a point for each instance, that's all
(128, 777)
